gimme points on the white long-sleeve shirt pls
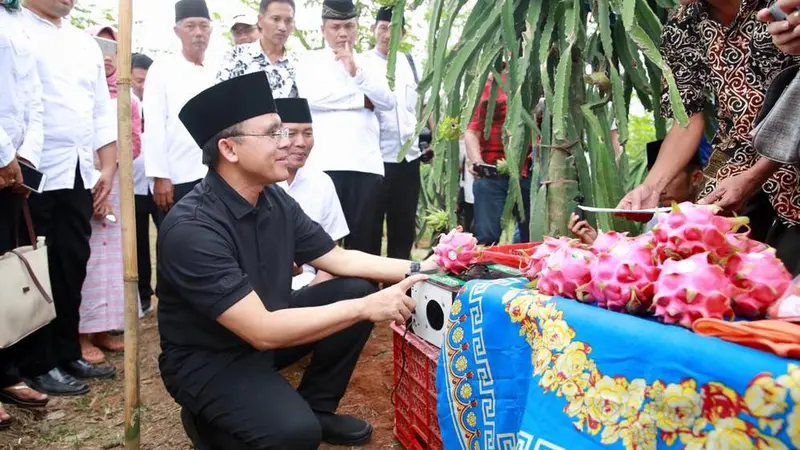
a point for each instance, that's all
(168, 148)
(78, 116)
(347, 135)
(315, 192)
(21, 109)
(399, 124)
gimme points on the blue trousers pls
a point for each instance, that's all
(490, 198)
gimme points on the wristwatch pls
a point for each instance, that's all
(414, 268)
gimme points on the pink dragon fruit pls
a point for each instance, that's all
(456, 251)
(690, 230)
(623, 279)
(741, 242)
(605, 241)
(541, 252)
(691, 289)
(760, 279)
(567, 273)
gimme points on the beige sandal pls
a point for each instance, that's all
(7, 395)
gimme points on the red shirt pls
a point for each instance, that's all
(492, 148)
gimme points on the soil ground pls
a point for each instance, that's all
(95, 421)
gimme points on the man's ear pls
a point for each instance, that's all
(372, 28)
(226, 150)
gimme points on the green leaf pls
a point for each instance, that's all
(396, 36)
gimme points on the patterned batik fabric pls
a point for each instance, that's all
(732, 66)
(249, 58)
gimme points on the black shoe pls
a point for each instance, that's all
(82, 369)
(58, 382)
(343, 430)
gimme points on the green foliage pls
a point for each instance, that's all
(549, 48)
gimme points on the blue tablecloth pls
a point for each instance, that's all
(523, 371)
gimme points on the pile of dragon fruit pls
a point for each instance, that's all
(693, 264)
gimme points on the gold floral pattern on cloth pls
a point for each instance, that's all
(734, 66)
(638, 414)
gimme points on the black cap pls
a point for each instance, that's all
(293, 110)
(339, 9)
(185, 9)
(141, 61)
(654, 147)
(385, 14)
(226, 104)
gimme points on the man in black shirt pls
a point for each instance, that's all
(227, 316)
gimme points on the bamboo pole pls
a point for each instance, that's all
(131, 271)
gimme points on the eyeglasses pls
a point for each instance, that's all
(276, 135)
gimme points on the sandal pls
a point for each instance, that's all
(108, 342)
(89, 352)
(7, 395)
(7, 422)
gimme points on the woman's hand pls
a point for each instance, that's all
(582, 229)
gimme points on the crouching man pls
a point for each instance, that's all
(227, 317)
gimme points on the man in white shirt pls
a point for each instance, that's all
(269, 54)
(312, 189)
(171, 157)
(78, 121)
(344, 90)
(21, 139)
(401, 183)
(145, 208)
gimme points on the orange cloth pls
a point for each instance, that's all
(773, 336)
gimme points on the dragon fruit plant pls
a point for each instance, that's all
(624, 276)
(760, 279)
(567, 273)
(690, 230)
(456, 251)
(692, 289)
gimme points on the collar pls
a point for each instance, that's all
(381, 55)
(299, 176)
(256, 49)
(235, 202)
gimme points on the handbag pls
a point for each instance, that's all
(776, 135)
(26, 301)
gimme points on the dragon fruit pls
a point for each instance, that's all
(742, 243)
(690, 230)
(691, 289)
(760, 279)
(605, 241)
(456, 251)
(541, 252)
(623, 278)
(567, 273)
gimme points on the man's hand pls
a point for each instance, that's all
(471, 167)
(102, 188)
(391, 303)
(582, 230)
(785, 32)
(368, 104)
(429, 264)
(732, 193)
(296, 270)
(11, 175)
(641, 197)
(163, 192)
(345, 56)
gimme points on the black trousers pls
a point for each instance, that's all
(766, 227)
(359, 193)
(180, 191)
(145, 208)
(399, 195)
(10, 204)
(251, 406)
(63, 217)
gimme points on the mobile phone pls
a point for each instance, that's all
(580, 212)
(107, 46)
(485, 170)
(32, 179)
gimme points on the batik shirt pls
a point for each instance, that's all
(250, 58)
(734, 66)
